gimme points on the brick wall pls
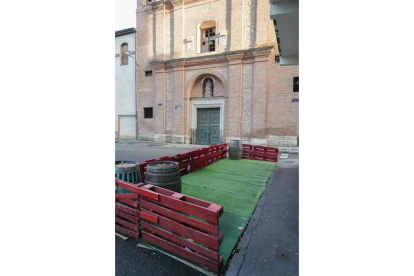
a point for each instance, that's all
(257, 92)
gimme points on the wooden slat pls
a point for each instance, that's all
(188, 152)
(187, 207)
(211, 228)
(127, 231)
(127, 224)
(189, 199)
(217, 208)
(135, 189)
(196, 201)
(186, 231)
(119, 196)
(126, 216)
(150, 217)
(129, 202)
(180, 251)
(198, 248)
(126, 209)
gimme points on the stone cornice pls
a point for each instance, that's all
(177, 65)
(261, 54)
(232, 57)
(159, 65)
(235, 58)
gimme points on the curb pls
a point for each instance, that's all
(289, 149)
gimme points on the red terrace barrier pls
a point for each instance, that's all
(157, 207)
(265, 153)
(199, 159)
(192, 160)
(172, 210)
(223, 150)
(127, 213)
(148, 208)
(184, 162)
(247, 151)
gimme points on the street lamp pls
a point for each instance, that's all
(128, 53)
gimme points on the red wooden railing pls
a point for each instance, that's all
(265, 153)
(192, 160)
(183, 231)
(161, 216)
(127, 209)
(184, 220)
(247, 151)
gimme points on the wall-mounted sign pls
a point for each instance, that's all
(295, 100)
(178, 107)
(160, 104)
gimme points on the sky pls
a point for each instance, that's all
(125, 14)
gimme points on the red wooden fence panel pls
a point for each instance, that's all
(223, 150)
(199, 159)
(184, 161)
(247, 151)
(192, 160)
(265, 153)
(180, 232)
(127, 210)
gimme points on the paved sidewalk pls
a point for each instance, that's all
(270, 245)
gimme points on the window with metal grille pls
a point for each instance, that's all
(209, 40)
(148, 112)
(124, 56)
(148, 73)
(296, 84)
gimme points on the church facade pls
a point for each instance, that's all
(208, 73)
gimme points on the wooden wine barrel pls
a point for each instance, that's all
(164, 174)
(235, 149)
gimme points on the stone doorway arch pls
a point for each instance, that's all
(198, 100)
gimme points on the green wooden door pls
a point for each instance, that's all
(208, 126)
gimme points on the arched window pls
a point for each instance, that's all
(207, 37)
(124, 56)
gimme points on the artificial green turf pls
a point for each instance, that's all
(236, 185)
(244, 167)
(214, 182)
(229, 227)
(239, 204)
(254, 180)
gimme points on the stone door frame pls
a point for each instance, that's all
(214, 102)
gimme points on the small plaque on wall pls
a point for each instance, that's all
(295, 100)
(160, 104)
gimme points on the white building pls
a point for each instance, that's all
(125, 83)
